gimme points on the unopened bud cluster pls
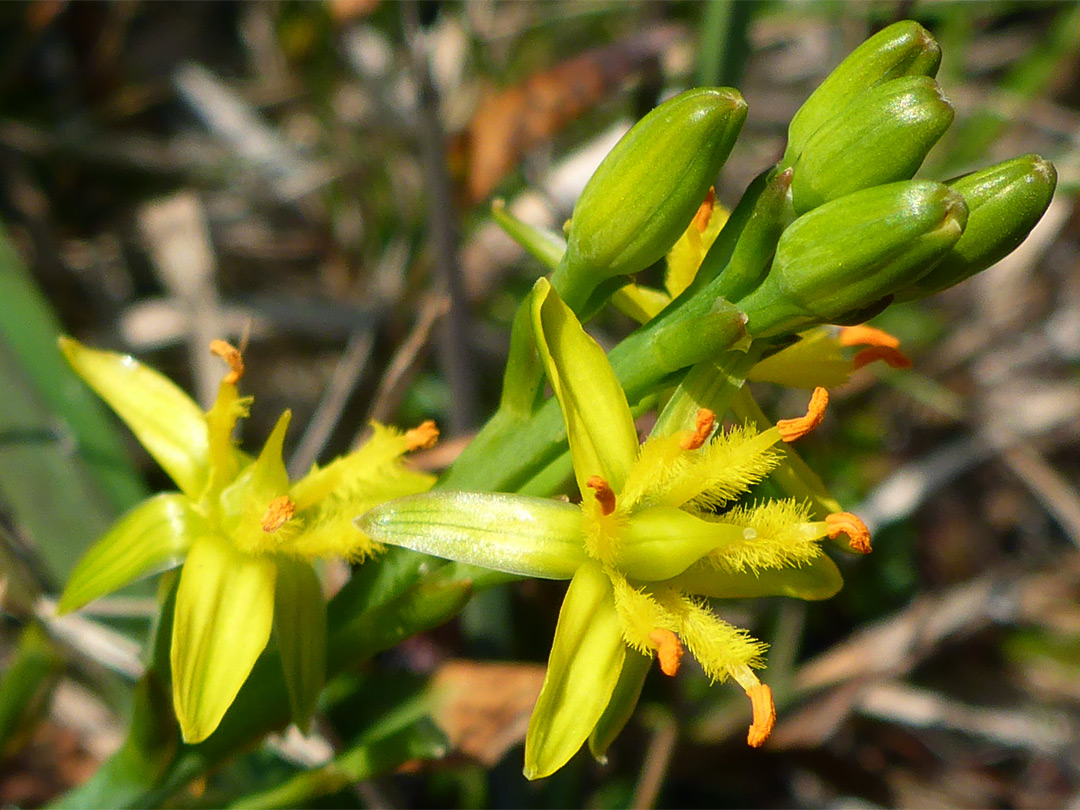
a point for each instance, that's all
(839, 228)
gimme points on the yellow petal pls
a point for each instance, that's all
(224, 612)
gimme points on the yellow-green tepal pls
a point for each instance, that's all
(902, 49)
(850, 253)
(1004, 203)
(881, 136)
(644, 193)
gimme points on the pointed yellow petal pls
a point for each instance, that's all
(815, 359)
(224, 612)
(638, 302)
(163, 418)
(245, 502)
(152, 537)
(601, 431)
(584, 666)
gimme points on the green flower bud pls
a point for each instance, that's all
(852, 252)
(902, 49)
(645, 192)
(881, 136)
(1004, 203)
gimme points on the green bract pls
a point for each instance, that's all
(880, 136)
(903, 49)
(245, 535)
(1004, 203)
(850, 253)
(655, 527)
(643, 194)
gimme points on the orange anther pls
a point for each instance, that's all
(704, 212)
(669, 650)
(279, 510)
(231, 355)
(867, 336)
(851, 525)
(892, 357)
(423, 436)
(764, 715)
(703, 426)
(605, 496)
(792, 429)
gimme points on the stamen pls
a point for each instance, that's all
(423, 436)
(605, 496)
(669, 650)
(764, 715)
(706, 421)
(280, 510)
(894, 358)
(231, 355)
(792, 429)
(867, 336)
(704, 212)
(851, 525)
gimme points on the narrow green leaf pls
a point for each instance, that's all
(662, 541)
(300, 630)
(163, 418)
(584, 666)
(152, 537)
(603, 440)
(152, 743)
(518, 534)
(820, 579)
(224, 612)
(548, 247)
(372, 756)
(28, 328)
(27, 685)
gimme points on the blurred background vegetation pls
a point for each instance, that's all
(318, 176)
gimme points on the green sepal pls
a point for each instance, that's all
(819, 579)
(645, 192)
(1004, 203)
(881, 136)
(152, 537)
(546, 246)
(584, 666)
(661, 542)
(300, 631)
(599, 426)
(623, 701)
(852, 252)
(164, 419)
(517, 534)
(224, 613)
(903, 49)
